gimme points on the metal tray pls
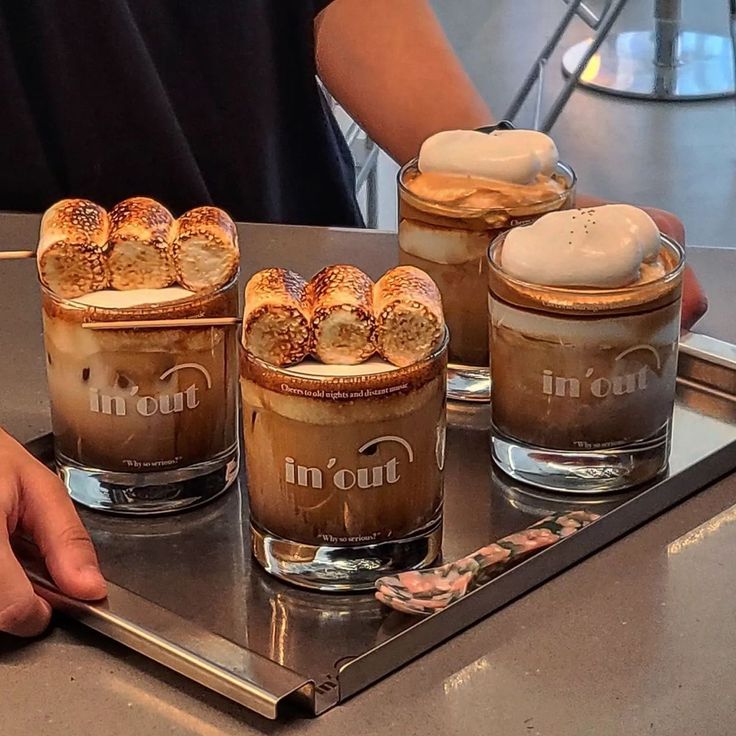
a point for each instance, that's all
(186, 593)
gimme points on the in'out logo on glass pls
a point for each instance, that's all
(600, 387)
(345, 479)
(147, 406)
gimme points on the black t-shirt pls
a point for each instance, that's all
(187, 101)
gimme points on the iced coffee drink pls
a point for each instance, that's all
(464, 189)
(344, 458)
(584, 328)
(144, 418)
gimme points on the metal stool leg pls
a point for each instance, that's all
(537, 70)
(667, 64)
(582, 65)
(368, 177)
(600, 23)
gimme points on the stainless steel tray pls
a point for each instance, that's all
(186, 593)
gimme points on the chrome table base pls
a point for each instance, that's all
(667, 63)
(626, 65)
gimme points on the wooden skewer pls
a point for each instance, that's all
(149, 324)
(16, 255)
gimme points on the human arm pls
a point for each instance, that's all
(390, 65)
(34, 502)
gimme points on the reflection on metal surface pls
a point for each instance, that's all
(707, 376)
(592, 70)
(465, 676)
(222, 621)
(708, 349)
(625, 65)
(308, 631)
(279, 625)
(220, 665)
(538, 502)
(712, 401)
(708, 363)
(467, 415)
(697, 535)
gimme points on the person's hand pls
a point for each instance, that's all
(694, 301)
(34, 502)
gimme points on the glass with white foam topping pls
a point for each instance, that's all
(464, 189)
(144, 420)
(584, 327)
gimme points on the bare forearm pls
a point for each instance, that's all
(391, 67)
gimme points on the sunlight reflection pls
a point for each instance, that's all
(464, 676)
(697, 535)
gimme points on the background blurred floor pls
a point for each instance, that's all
(675, 155)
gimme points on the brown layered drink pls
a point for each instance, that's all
(585, 319)
(465, 188)
(141, 400)
(140, 414)
(344, 458)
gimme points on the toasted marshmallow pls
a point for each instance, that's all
(205, 250)
(441, 244)
(276, 317)
(410, 323)
(341, 300)
(601, 247)
(72, 245)
(139, 257)
(518, 156)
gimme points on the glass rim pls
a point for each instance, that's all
(497, 242)
(561, 167)
(395, 370)
(141, 309)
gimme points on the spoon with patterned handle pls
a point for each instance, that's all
(423, 592)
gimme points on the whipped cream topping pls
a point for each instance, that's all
(605, 247)
(113, 299)
(517, 156)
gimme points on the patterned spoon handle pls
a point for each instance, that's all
(424, 592)
(542, 533)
